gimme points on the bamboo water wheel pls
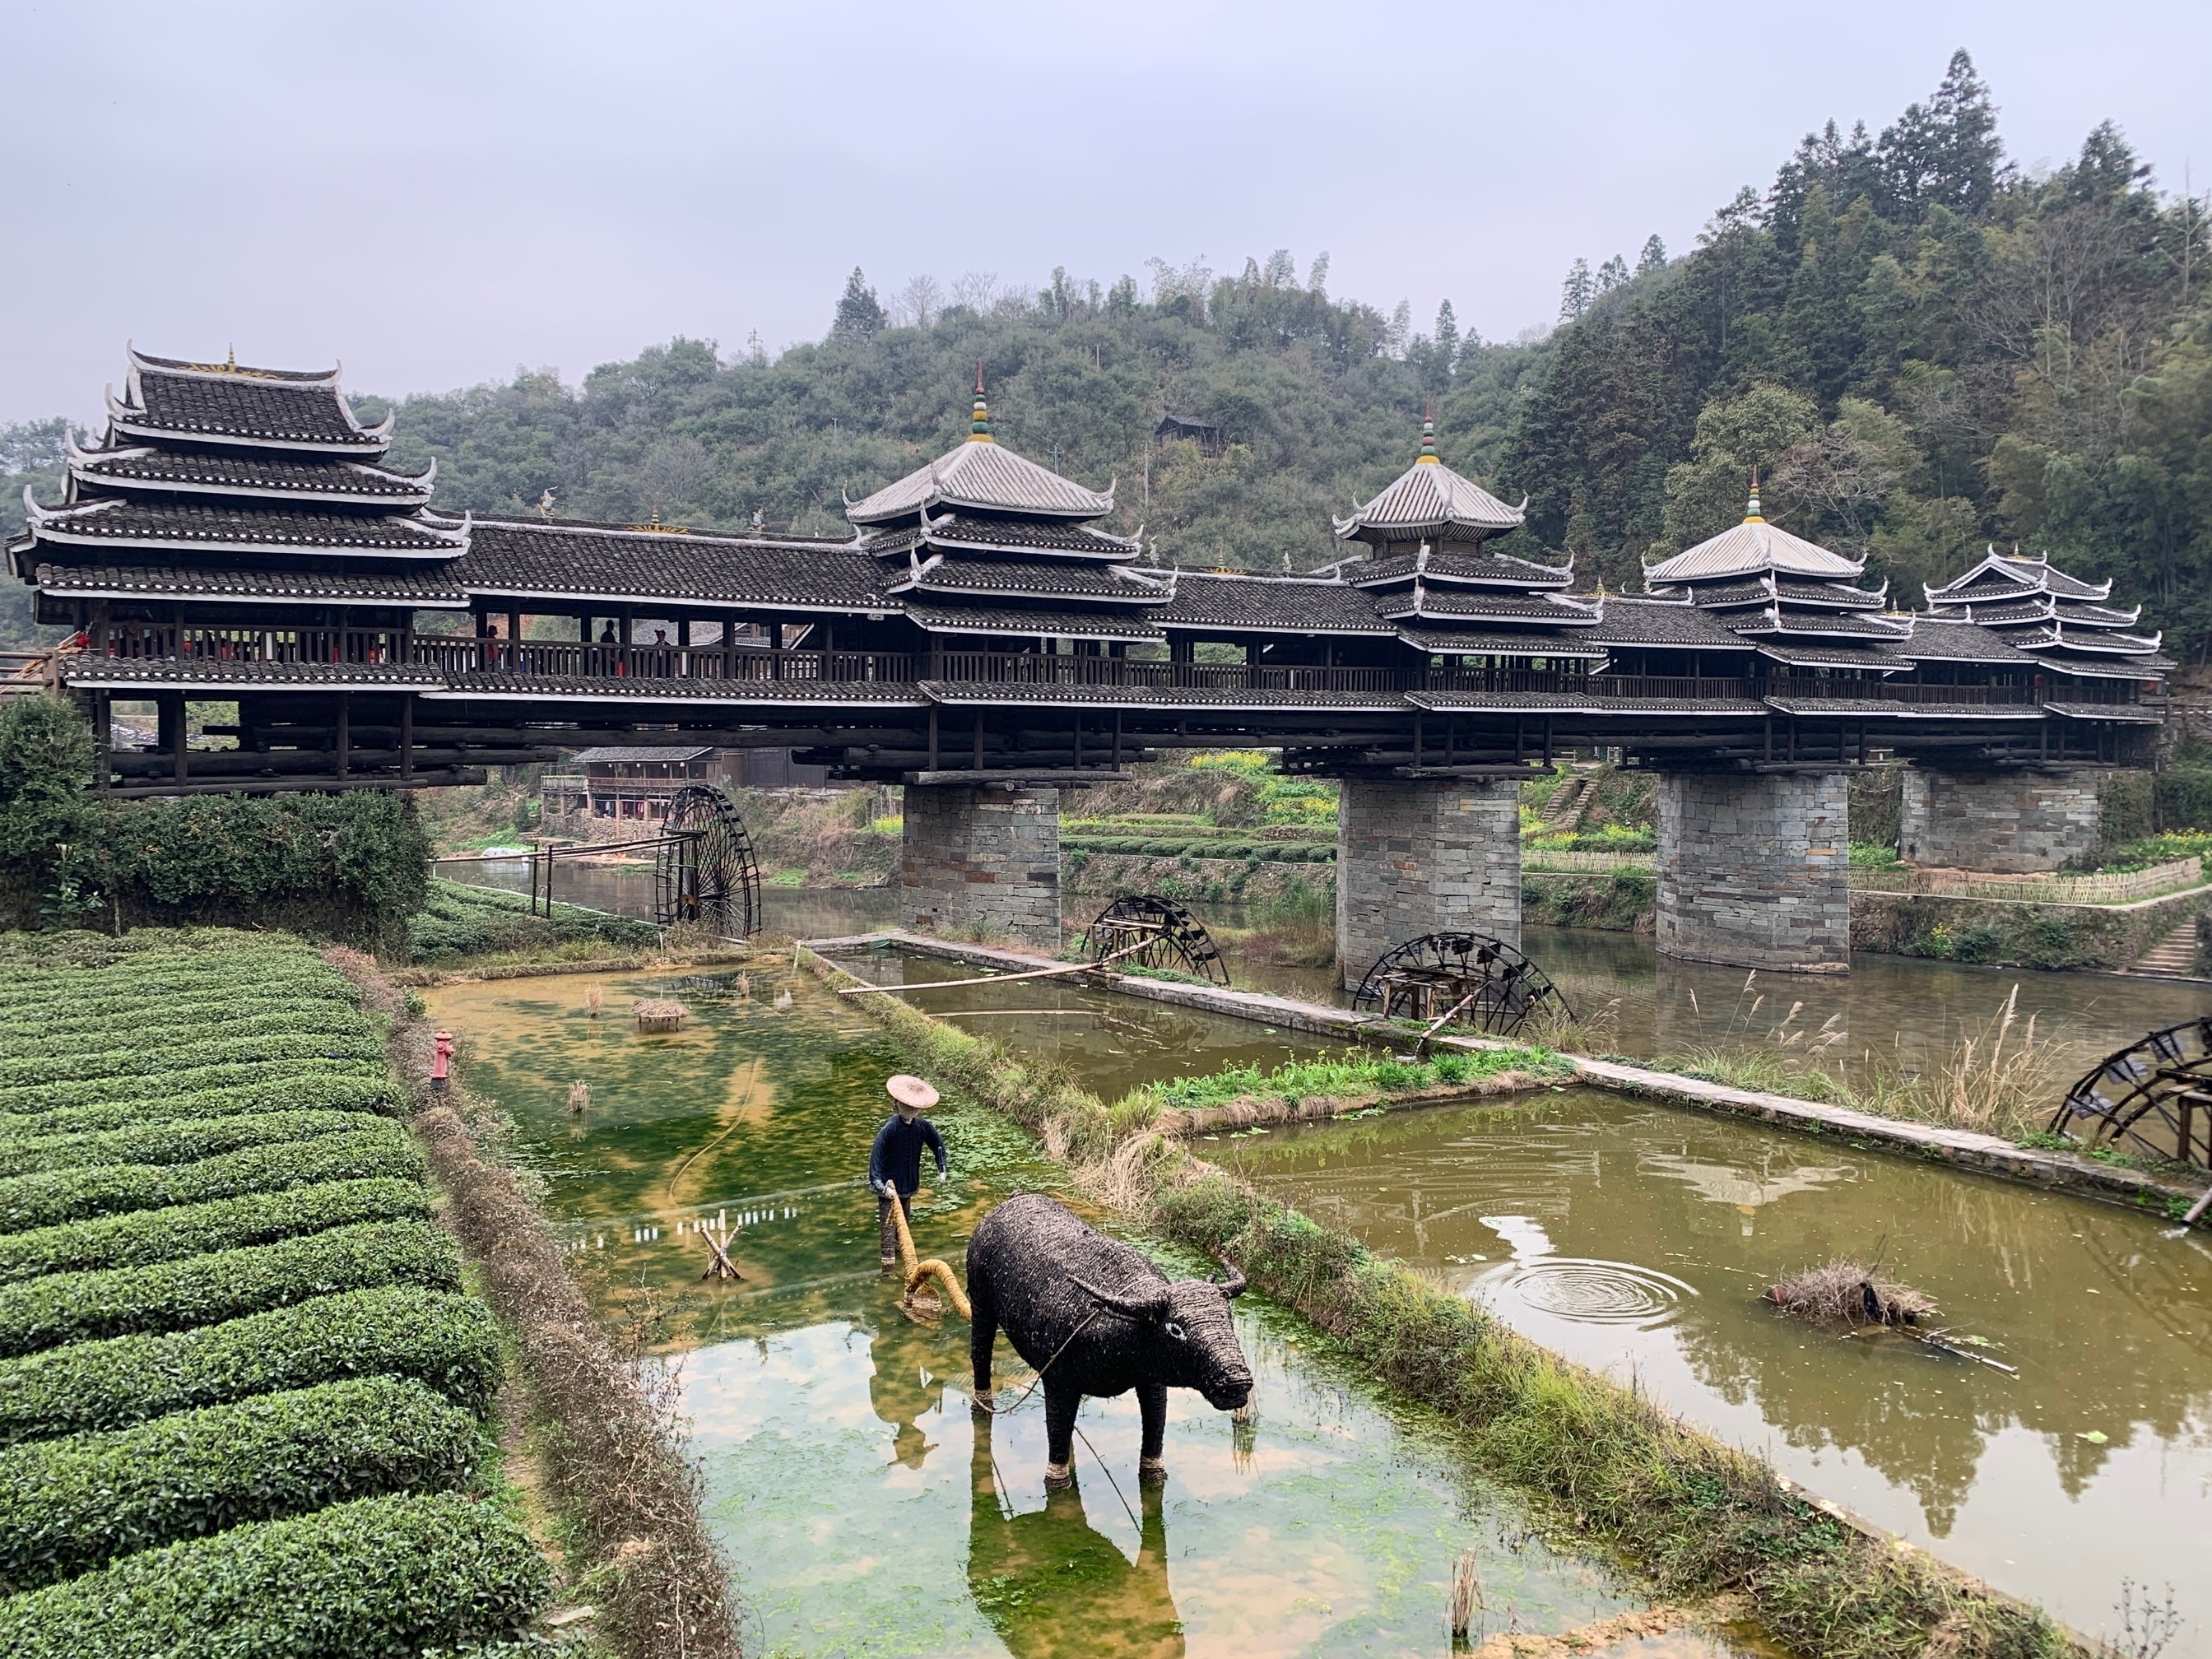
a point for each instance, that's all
(704, 871)
(1467, 980)
(1151, 932)
(2154, 1096)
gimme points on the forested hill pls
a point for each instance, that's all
(1923, 347)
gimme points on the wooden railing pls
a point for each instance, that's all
(579, 660)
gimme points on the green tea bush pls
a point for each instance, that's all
(184, 1229)
(377, 1578)
(156, 1029)
(447, 1342)
(70, 1505)
(205, 1290)
(457, 920)
(355, 1092)
(213, 1074)
(153, 1060)
(95, 1015)
(164, 1142)
(378, 1147)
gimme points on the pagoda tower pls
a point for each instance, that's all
(236, 530)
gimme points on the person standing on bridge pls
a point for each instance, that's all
(895, 1161)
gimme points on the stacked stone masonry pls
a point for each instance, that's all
(2010, 822)
(1424, 857)
(1754, 870)
(986, 859)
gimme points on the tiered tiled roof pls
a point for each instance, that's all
(2057, 620)
(619, 565)
(983, 543)
(216, 483)
(1427, 571)
(1788, 598)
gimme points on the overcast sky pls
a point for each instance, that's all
(437, 194)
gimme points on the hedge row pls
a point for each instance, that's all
(165, 1142)
(1205, 847)
(356, 1089)
(215, 1074)
(204, 1289)
(161, 1030)
(377, 1578)
(70, 1505)
(220, 966)
(93, 1016)
(378, 1147)
(447, 1341)
(188, 1230)
(158, 1060)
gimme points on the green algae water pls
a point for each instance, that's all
(1637, 1239)
(863, 1509)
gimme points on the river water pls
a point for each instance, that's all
(1634, 1238)
(863, 1510)
(1898, 1014)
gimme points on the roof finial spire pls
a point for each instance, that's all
(1428, 431)
(1750, 507)
(979, 425)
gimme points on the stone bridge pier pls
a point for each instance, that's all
(1425, 855)
(984, 858)
(2013, 823)
(1754, 870)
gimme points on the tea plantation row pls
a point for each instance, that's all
(242, 1390)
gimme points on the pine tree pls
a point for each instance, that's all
(1445, 353)
(1654, 257)
(1944, 153)
(1576, 292)
(1613, 273)
(859, 317)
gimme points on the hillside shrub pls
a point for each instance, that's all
(447, 1342)
(184, 1229)
(377, 1578)
(379, 1147)
(72, 1504)
(354, 1091)
(164, 1142)
(206, 1289)
(46, 759)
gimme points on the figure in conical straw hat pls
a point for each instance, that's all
(895, 1161)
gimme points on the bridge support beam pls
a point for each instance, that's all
(985, 858)
(1425, 856)
(1754, 870)
(2013, 823)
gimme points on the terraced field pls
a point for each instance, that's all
(242, 1389)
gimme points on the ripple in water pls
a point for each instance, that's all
(1591, 1293)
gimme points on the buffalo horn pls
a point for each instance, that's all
(1233, 1286)
(1149, 1303)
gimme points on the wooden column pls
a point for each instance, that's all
(407, 732)
(169, 715)
(103, 735)
(345, 735)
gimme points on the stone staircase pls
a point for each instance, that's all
(2174, 957)
(1569, 804)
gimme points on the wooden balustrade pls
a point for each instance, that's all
(579, 661)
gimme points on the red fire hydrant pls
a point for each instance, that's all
(442, 1057)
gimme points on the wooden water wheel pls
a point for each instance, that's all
(1145, 930)
(704, 871)
(1458, 979)
(2154, 1096)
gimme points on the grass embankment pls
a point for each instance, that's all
(1356, 1081)
(243, 1404)
(1701, 1520)
(460, 923)
(603, 1427)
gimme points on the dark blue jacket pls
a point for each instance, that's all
(896, 1155)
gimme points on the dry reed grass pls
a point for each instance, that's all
(1850, 1293)
(1466, 1595)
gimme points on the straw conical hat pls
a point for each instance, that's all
(911, 1092)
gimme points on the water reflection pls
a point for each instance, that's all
(1637, 1239)
(841, 1461)
(1054, 1587)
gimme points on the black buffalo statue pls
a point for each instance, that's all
(1095, 1317)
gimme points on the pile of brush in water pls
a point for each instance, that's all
(1850, 1293)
